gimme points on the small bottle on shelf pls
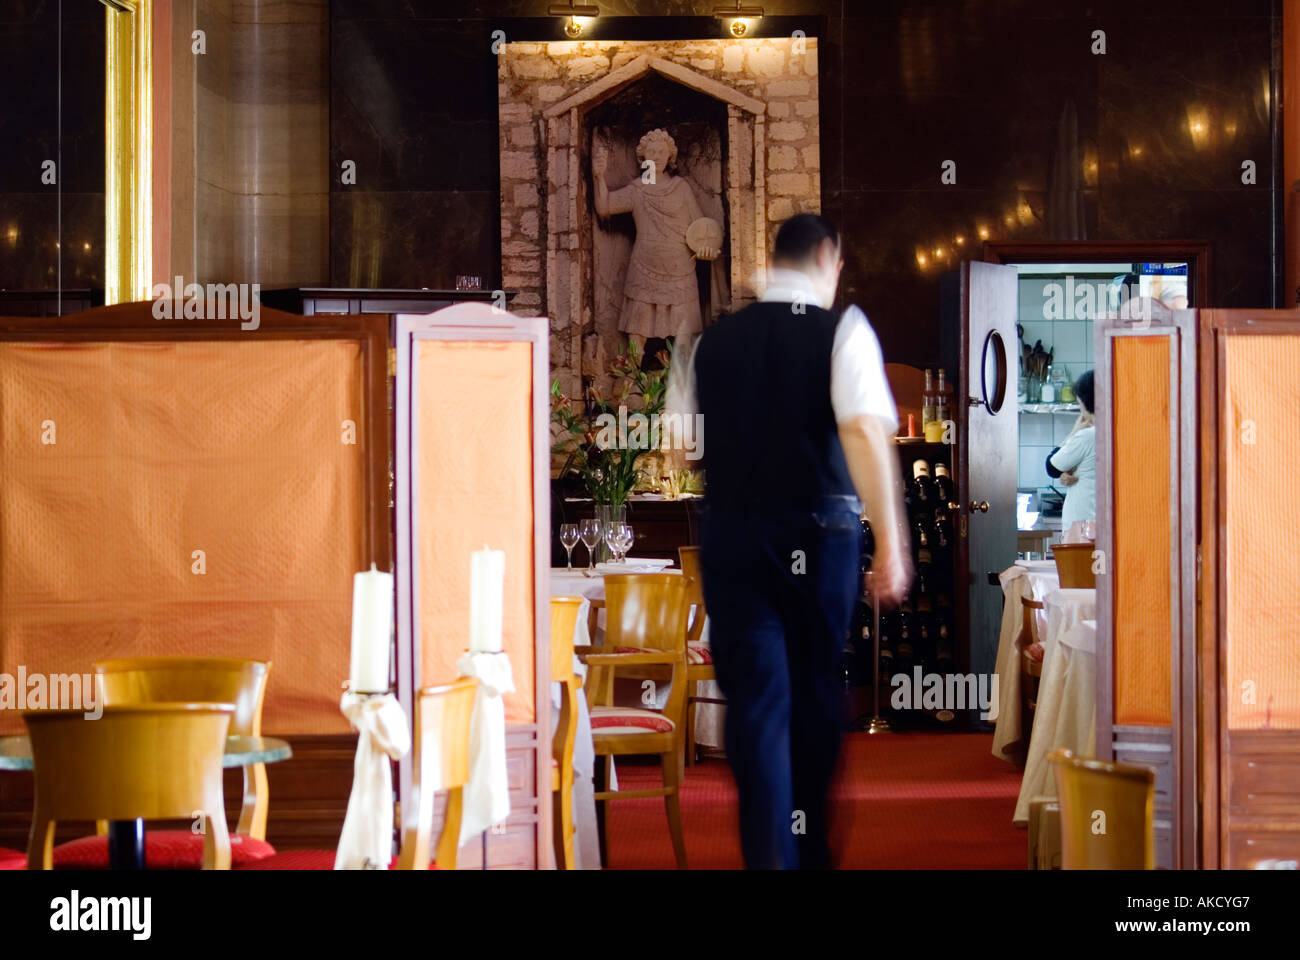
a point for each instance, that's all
(929, 411)
(943, 401)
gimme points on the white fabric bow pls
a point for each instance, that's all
(486, 798)
(367, 839)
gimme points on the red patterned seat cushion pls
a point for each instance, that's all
(163, 850)
(305, 860)
(698, 654)
(611, 720)
(12, 859)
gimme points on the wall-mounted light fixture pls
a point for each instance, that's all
(577, 16)
(738, 18)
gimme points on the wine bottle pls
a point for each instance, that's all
(929, 408)
(943, 403)
(943, 490)
(922, 492)
(943, 666)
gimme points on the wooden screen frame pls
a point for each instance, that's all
(1215, 327)
(408, 330)
(1181, 735)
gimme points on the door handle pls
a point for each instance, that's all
(980, 507)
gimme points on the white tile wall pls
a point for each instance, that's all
(1032, 472)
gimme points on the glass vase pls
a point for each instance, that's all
(608, 513)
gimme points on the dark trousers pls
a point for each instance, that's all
(780, 585)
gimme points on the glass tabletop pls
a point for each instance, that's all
(16, 752)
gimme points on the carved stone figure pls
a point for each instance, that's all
(660, 294)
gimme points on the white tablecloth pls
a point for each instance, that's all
(1066, 716)
(1034, 579)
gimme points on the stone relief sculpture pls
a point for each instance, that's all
(660, 293)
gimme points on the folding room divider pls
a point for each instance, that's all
(473, 466)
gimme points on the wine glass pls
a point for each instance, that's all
(619, 538)
(569, 539)
(589, 531)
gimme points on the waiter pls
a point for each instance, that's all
(799, 419)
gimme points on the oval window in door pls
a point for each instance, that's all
(993, 374)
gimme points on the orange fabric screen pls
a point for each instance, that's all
(1261, 450)
(473, 457)
(1141, 464)
(234, 448)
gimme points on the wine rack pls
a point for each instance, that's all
(923, 631)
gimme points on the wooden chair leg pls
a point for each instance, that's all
(40, 842)
(563, 809)
(672, 804)
(216, 841)
(691, 707)
(252, 817)
(449, 842)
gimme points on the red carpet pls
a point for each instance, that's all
(904, 800)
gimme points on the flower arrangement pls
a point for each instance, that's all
(609, 469)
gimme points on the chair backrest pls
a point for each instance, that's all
(134, 680)
(689, 557)
(646, 610)
(441, 756)
(441, 743)
(1107, 813)
(156, 761)
(1074, 565)
(564, 619)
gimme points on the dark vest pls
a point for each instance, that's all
(763, 379)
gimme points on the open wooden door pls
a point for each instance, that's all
(987, 452)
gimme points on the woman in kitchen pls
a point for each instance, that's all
(1075, 461)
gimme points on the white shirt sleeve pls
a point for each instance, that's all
(1074, 451)
(858, 383)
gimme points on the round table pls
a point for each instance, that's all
(126, 837)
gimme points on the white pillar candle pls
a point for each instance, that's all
(487, 574)
(372, 630)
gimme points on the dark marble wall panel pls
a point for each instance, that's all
(1051, 141)
(30, 248)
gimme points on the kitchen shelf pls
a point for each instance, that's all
(1048, 408)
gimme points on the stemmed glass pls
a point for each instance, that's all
(589, 531)
(619, 538)
(569, 539)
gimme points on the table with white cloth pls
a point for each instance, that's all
(1025, 579)
(1066, 715)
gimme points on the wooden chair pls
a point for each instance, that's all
(441, 746)
(157, 761)
(564, 617)
(234, 680)
(1074, 565)
(1107, 813)
(442, 717)
(645, 625)
(699, 658)
(1031, 667)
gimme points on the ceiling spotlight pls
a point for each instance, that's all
(738, 17)
(576, 14)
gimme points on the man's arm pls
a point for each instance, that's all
(873, 468)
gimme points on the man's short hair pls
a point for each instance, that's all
(800, 236)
